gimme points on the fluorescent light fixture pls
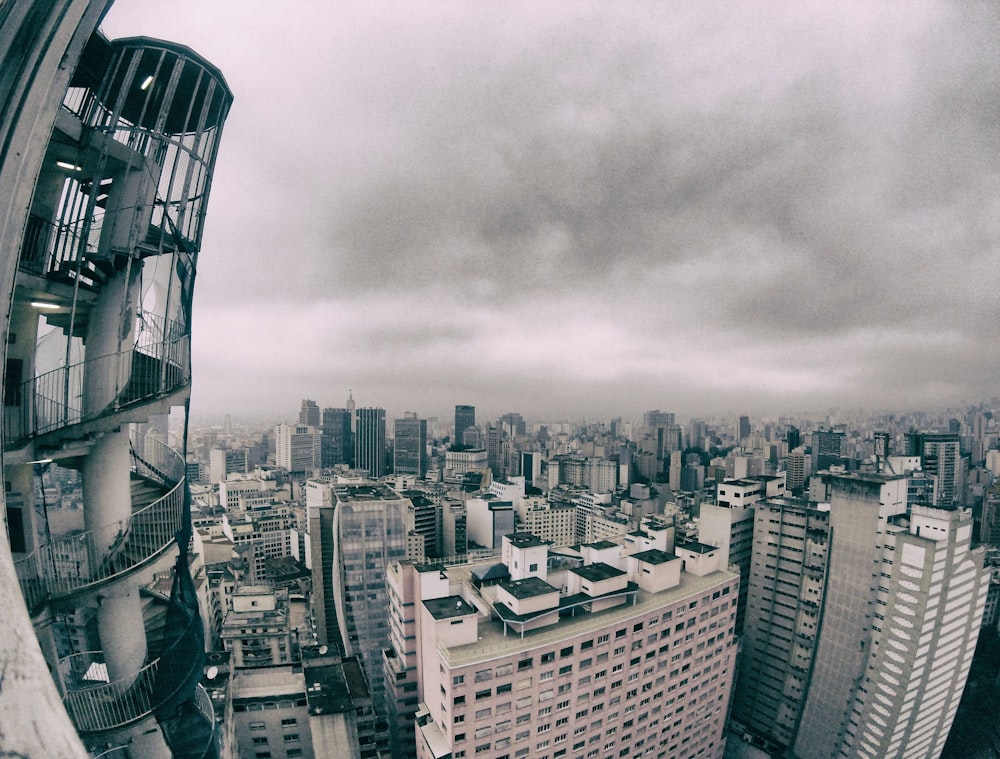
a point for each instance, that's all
(40, 461)
(146, 82)
(45, 305)
(68, 166)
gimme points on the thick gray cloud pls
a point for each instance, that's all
(597, 209)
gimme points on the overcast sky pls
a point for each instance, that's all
(571, 208)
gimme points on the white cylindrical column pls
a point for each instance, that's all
(123, 635)
(107, 491)
(110, 331)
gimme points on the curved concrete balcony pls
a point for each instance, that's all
(63, 398)
(74, 564)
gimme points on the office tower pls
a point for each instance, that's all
(623, 652)
(793, 438)
(465, 417)
(513, 424)
(743, 429)
(368, 532)
(369, 441)
(828, 449)
(878, 665)
(256, 630)
(409, 453)
(454, 528)
(652, 420)
(100, 222)
(223, 462)
(494, 438)
(336, 445)
(298, 448)
(488, 520)
(941, 457)
(309, 413)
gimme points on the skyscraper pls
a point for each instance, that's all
(861, 626)
(337, 445)
(309, 413)
(410, 446)
(465, 417)
(743, 429)
(105, 173)
(297, 448)
(369, 441)
(368, 533)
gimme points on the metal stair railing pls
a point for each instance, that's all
(75, 563)
(96, 704)
(55, 399)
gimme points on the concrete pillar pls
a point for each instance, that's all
(110, 330)
(107, 490)
(120, 626)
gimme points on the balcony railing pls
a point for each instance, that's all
(157, 365)
(75, 563)
(96, 703)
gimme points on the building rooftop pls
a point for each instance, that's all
(597, 572)
(526, 540)
(327, 691)
(529, 587)
(600, 544)
(654, 556)
(448, 607)
(371, 491)
(695, 547)
(493, 642)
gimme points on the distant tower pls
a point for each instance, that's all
(743, 428)
(350, 410)
(309, 413)
(337, 445)
(369, 441)
(410, 446)
(465, 417)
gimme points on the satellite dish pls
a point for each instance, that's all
(213, 672)
(323, 650)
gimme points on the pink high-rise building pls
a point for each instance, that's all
(613, 649)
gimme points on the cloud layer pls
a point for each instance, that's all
(592, 209)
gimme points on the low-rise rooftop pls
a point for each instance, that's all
(597, 572)
(448, 607)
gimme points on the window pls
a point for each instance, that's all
(458, 701)
(289, 721)
(260, 740)
(525, 664)
(568, 651)
(291, 737)
(481, 694)
(547, 657)
(458, 679)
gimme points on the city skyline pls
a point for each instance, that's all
(585, 209)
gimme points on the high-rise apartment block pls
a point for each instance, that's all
(626, 651)
(862, 621)
(729, 524)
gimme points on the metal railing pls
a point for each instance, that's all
(74, 563)
(158, 364)
(96, 704)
